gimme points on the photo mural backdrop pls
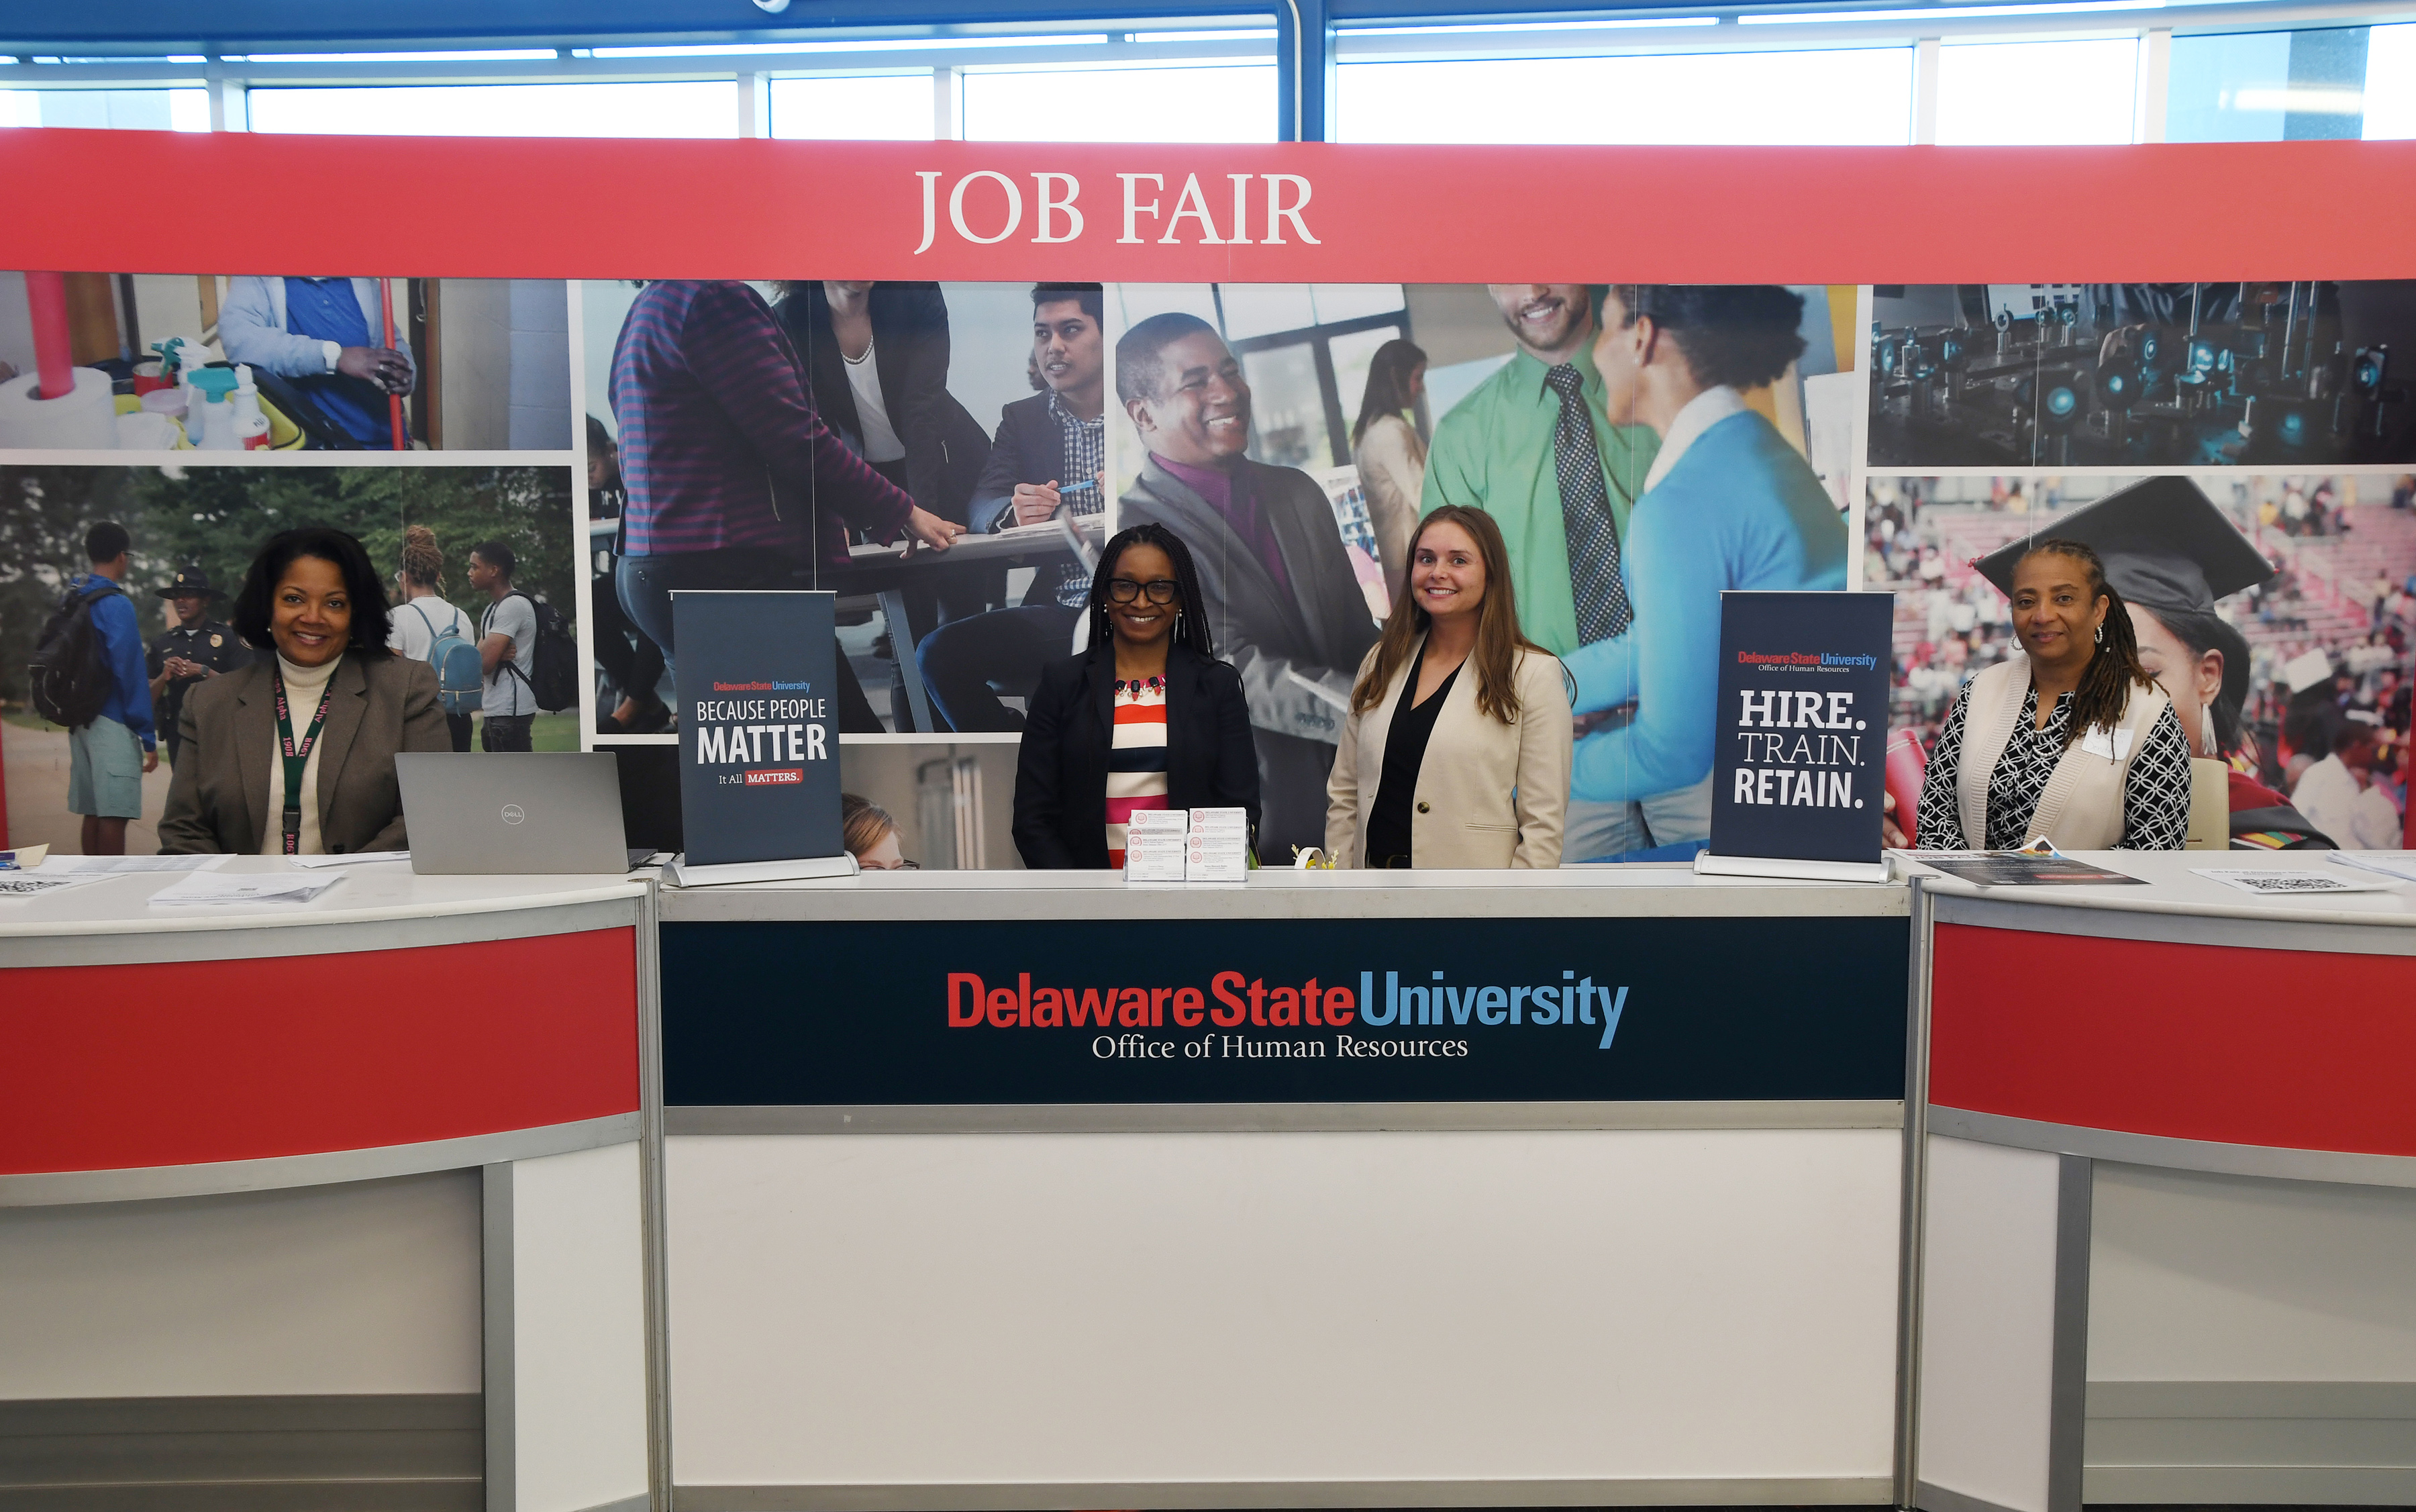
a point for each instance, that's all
(1282, 356)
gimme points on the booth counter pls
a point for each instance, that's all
(1379, 1189)
(930, 1244)
(2165, 1163)
(334, 1204)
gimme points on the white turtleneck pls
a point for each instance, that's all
(303, 686)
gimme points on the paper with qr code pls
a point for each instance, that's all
(2273, 884)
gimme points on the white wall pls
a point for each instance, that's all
(367, 1286)
(1279, 1307)
(2204, 1277)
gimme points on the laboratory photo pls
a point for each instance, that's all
(2280, 375)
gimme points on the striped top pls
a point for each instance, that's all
(721, 446)
(1137, 760)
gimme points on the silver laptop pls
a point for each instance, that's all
(512, 811)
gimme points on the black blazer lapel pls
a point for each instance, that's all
(1185, 701)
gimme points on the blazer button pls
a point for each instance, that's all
(1423, 807)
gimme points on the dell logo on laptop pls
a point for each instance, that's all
(513, 813)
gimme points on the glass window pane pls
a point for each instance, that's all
(2311, 84)
(1348, 301)
(1137, 302)
(2006, 94)
(1863, 96)
(1264, 308)
(2391, 84)
(1226, 104)
(884, 108)
(2227, 88)
(126, 110)
(708, 109)
(1287, 408)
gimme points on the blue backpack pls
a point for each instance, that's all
(461, 681)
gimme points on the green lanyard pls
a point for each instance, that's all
(297, 758)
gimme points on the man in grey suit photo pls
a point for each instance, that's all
(1283, 603)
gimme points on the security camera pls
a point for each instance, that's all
(771, 7)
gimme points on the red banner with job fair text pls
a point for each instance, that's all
(472, 207)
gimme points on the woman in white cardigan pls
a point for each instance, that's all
(1457, 750)
(2070, 741)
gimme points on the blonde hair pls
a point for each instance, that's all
(422, 562)
(1499, 640)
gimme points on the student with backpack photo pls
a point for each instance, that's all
(525, 651)
(89, 675)
(427, 628)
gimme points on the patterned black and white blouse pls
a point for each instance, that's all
(2155, 792)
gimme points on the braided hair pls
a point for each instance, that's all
(1191, 623)
(423, 562)
(2104, 689)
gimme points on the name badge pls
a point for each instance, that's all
(2111, 744)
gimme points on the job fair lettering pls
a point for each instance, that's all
(1797, 747)
(985, 207)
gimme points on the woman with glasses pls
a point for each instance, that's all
(1147, 718)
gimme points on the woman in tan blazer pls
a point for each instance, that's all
(295, 756)
(1457, 750)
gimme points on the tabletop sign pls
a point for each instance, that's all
(759, 725)
(1799, 760)
(1087, 1010)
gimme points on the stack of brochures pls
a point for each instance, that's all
(247, 889)
(1219, 847)
(1154, 844)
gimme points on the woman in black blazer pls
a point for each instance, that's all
(1152, 674)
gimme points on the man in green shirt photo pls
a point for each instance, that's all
(1533, 446)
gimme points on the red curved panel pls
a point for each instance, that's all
(2289, 1049)
(110, 1067)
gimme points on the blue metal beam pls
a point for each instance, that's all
(163, 27)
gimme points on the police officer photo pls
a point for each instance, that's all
(194, 648)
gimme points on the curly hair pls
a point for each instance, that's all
(252, 613)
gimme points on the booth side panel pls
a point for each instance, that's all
(1988, 1326)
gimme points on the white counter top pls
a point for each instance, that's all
(2175, 888)
(372, 893)
(1647, 890)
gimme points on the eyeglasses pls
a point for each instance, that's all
(1160, 590)
(900, 866)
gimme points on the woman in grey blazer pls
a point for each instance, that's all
(295, 756)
